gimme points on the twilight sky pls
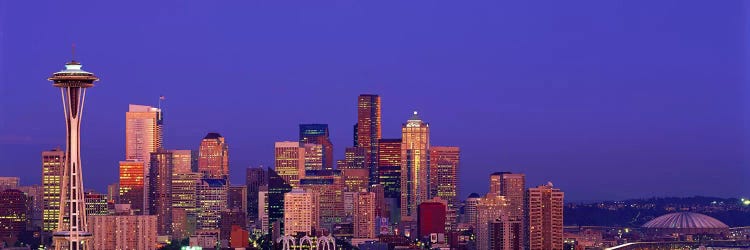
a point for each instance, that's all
(606, 99)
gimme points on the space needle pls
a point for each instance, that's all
(72, 231)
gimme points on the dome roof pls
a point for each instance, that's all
(685, 220)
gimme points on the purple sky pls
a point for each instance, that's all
(606, 99)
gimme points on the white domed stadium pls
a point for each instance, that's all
(686, 223)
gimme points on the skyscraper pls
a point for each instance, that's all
(356, 157)
(73, 83)
(96, 204)
(183, 203)
(13, 215)
(210, 200)
(444, 174)
(52, 171)
(488, 209)
(132, 185)
(313, 156)
(369, 130)
(277, 187)
(329, 187)
(213, 157)
(160, 190)
(237, 200)
(415, 162)
(470, 210)
(318, 134)
(290, 161)
(254, 179)
(364, 214)
(545, 205)
(301, 211)
(505, 233)
(182, 161)
(143, 135)
(355, 179)
(513, 187)
(389, 168)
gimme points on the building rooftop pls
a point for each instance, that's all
(684, 220)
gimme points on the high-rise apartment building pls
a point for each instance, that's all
(132, 185)
(444, 163)
(364, 214)
(254, 179)
(505, 233)
(213, 157)
(489, 209)
(318, 134)
(369, 131)
(210, 200)
(123, 232)
(182, 161)
(513, 187)
(160, 190)
(545, 206)
(289, 161)
(53, 162)
(415, 163)
(301, 211)
(183, 204)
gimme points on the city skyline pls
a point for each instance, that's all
(547, 135)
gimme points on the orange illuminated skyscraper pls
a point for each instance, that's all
(289, 161)
(213, 157)
(444, 174)
(389, 174)
(318, 134)
(369, 131)
(545, 205)
(132, 185)
(160, 190)
(143, 132)
(415, 163)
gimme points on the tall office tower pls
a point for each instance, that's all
(355, 157)
(329, 187)
(545, 205)
(318, 134)
(254, 179)
(182, 161)
(8, 183)
(210, 200)
(143, 135)
(289, 161)
(300, 212)
(355, 179)
(277, 187)
(96, 204)
(183, 204)
(431, 219)
(380, 205)
(213, 157)
(132, 186)
(52, 171)
(415, 163)
(229, 219)
(364, 214)
(369, 131)
(263, 209)
(505, 233)
(489, 209)
(72, 228)
(113, 193)
(444, 163)
(470, 209)
(237, 199)
(389, 168)
(313, 156)
(513, 187)
(124, 232)
(160, 190)
(36, 193)
(13, 215)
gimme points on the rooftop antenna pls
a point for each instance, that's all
(73, 52)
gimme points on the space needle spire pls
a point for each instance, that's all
(72, 229)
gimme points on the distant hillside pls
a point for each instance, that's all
(635, 212)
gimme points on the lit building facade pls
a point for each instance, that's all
(415, 163)
(513, 187)
(182, 160)
(545, 206)
(96, 204)
(13, 215)
(123, 232)
(329, 188)
(369, 130)
(489, 209)
(8, 183)
(300, 212)
(132, 189)
(355, 157)
(289, 161)
(52, 167)
(431, 218)
(444, 163)
(183, 204)
(143, 136)
(505, 233)
(355, 179)
(277, 187)
(313, 156)
(213, 157)
(160, 190)
(254, 179)
(237, 199)
(364, 215)
(318, 134)
(210, 200)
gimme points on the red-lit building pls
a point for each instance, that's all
(239, 237)
(431, 218)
